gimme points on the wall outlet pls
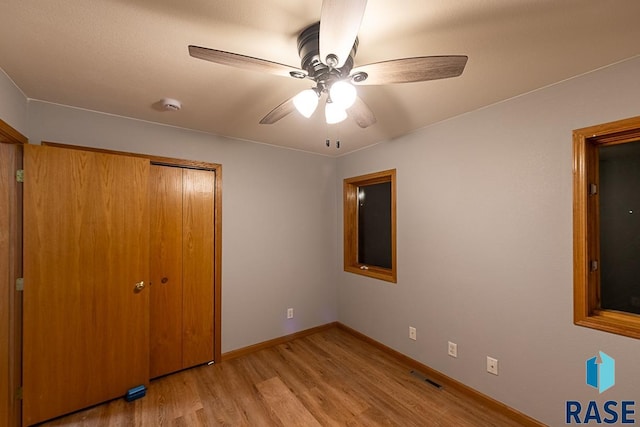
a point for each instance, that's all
(492, 365)
(453, 349)
(412, 333)
(289, 313)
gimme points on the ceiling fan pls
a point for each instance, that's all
(327, 50)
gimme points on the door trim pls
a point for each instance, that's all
(217, 244)
(11, 300)
(10, 135)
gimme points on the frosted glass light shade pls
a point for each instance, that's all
(334, 113)
(343, 93)
(306, 102)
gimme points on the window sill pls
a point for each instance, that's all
(616, 322)
(385, 274)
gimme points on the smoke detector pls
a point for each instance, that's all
(169, 104)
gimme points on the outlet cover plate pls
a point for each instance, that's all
(453, 349)
(412, 333)
(492, 365)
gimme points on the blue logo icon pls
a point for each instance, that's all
(601, 373)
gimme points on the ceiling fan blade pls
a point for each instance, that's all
(279, 112)
(339, 24)
(245, 62)
(409, 70)
(361, 113)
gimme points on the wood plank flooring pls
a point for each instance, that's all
(330, 378)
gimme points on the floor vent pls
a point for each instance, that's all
(422, 377)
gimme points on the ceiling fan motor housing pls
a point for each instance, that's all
(309, 51)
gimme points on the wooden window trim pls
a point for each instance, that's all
(192, 164)
(350, 205)
(586, 245)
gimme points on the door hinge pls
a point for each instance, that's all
(593, 189)
(20, 284)
(18, 394)
(20, 175)
(593, 265)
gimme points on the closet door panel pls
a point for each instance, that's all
(198, 266)
(86, 228)
(165, 191)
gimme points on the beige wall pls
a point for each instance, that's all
(484, 208)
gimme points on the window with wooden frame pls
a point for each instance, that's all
(606, 227)
(370, 225)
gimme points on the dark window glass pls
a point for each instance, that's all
(374, 224)
(619, 182)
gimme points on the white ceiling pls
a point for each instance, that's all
(123, 56)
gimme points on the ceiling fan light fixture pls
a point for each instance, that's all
(334, 40)
(343, 94)
(306, 102)
(334, 113)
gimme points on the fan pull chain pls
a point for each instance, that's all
(328, 143)
(328, 140)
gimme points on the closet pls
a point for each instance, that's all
(181, 265)
(120, 274)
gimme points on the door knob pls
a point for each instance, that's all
(139, 286)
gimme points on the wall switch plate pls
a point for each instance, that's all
(492, 365)
(412, 333)
(290, 313)
(453, 349)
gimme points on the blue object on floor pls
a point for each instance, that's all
(135, 393)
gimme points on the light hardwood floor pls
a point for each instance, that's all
(330, 378)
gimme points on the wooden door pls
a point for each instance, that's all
(182, 268)
(198, 266)
(165, 200)
(86, 234)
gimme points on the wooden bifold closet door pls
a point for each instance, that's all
(182, 268)
(86, 234)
